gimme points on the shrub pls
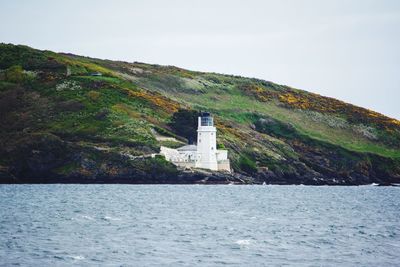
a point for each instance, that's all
(14, 74)
(221, 146)
(184, 123)
(247, 165)
(276, 128)
(93, 95)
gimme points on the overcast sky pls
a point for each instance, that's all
(346, 49)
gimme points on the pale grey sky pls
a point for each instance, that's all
(347, 49)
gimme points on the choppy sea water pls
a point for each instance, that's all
(191, 225)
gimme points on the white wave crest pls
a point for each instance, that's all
(243, 242)
(78, 257)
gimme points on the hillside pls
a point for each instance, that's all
(68, 118)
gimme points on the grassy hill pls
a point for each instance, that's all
(63, 122)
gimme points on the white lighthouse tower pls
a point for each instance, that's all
(205, 155)
(206, 143)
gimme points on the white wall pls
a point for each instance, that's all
(206, 147)
(222, 155)
(188, 155)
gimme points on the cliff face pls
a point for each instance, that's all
(67, 118)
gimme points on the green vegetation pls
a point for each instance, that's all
(247, 165)
(101, 105)
(221, 146)
(14, 74)
(184, 123)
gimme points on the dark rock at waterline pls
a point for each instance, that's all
(46, 158)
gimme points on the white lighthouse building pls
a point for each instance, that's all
(205, 155)
(206, 143)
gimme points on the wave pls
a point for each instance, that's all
(243, 242)
(78, 257)
(109, 218)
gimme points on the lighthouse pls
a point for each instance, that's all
(205, 155)
(206, 143)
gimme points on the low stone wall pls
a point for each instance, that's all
(169, 153)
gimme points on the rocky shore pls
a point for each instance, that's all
(50, 159)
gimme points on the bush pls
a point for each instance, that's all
(14, 74)
(221, 146)
(93, 95)
(247, 165)
(159, 165)
(184, 123)
(276, 128)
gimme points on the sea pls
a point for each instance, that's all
(199, 225)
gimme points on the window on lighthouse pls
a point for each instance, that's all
(206, 121)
